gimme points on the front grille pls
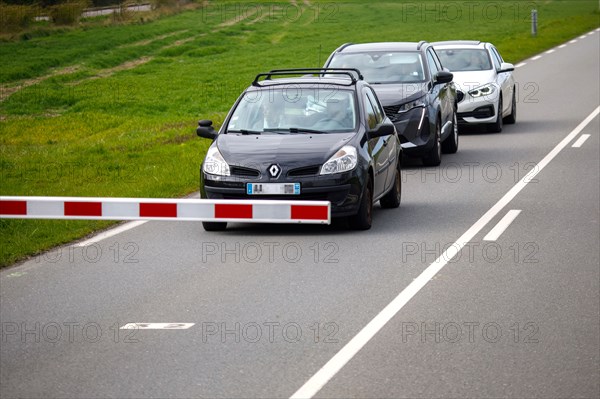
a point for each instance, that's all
(243, 172)
(391, 110)
(305, 171)
(302, 197)
(459, 95)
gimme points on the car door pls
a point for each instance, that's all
(504, 79)
(443, 93)
(379, 147)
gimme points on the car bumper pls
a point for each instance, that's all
(342, 190)
(477, 110)
(413, 130)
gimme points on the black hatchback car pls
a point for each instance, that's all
(417, 93)
(305, 134)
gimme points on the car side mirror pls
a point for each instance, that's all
(206, 130)
(443, 77)
(506, 67)
(386, 129)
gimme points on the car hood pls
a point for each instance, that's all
(292, 150)
(468, 80)
(392, 94)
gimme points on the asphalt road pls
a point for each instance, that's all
(518, 316)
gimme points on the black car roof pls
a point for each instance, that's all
(381, 46)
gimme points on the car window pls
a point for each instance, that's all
(278, 109)
(498, 57)
(379, 67)
(465, 59)
(432, 64)
(379, 115)
(370, 110)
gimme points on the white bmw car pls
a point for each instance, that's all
(486, 92)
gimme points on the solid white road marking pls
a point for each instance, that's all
(580, 140)
(110, 233)
(339, 360)
(537, 57)
(520, 65)
(502, 225)
(157, 326)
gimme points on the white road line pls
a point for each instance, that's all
(110, 233)
(550, 51)
(157, 326)
(537, 57)
(339, 360)
(520, 65)
(562, 46)
(581, 140)
(573, 41)
(502, 225)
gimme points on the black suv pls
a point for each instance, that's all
(305, 134)
(417, 93)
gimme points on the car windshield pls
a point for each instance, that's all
(458, 60)
(295, 109)
(383, 67)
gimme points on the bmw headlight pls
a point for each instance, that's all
(484, 90)
(412, 104)
(342, 161)
(214, 163)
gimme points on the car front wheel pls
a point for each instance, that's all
(363, 219)
(450, 145)
(434, 157)
(214, 226)
(393, 197)
(496, 127)
(512, 118)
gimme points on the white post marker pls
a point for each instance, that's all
(246, 211)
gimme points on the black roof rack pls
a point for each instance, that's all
(353, 73)
(420, 44)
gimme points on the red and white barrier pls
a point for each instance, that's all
(247, 211)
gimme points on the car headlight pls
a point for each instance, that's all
(214, 163)
(412, 104)
(343, 160)
(484, 90)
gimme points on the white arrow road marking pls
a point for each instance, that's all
(580, 140)
(339, 360)
(502, 225)
(157, 326)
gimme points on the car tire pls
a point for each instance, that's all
(434, 157)
(393, 197)
(496, 127)
(450, 145)
(512, 118)
(364, 218)
(214, 226)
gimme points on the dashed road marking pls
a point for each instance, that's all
(502, 225)
(580, 140)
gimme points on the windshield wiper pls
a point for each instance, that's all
(244, 131)
(304, 130)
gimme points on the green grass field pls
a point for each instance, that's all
(112, 111)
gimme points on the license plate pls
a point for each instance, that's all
(273, 188)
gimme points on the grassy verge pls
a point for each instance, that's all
(111, 111)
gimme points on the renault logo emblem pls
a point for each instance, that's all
(274, 171)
